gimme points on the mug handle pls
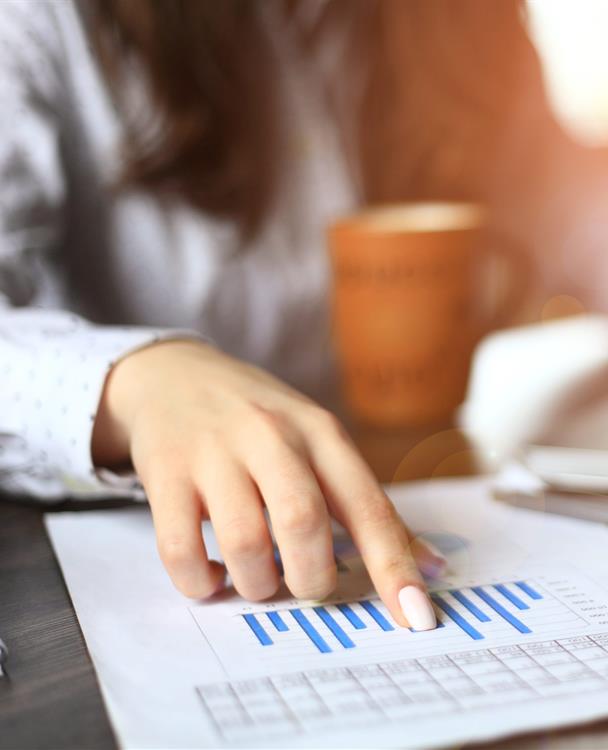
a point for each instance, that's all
(516, 278)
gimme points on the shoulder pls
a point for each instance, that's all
(33, 19)
(31, 38)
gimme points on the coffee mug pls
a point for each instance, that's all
(415, 287)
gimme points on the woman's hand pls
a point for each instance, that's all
(213, 437)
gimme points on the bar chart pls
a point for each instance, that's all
(304, 667)
(333, 627)
(360, 630)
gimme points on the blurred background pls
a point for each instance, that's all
(543, 379)
(571, 39)
(560, 397)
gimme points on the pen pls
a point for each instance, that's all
(3, 655)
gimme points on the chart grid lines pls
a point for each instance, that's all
(457, 617)
(500, 610)
(481, 677)
(258, 630)
(375, 613)
(351, 616)
(278, 622)
(527, 589)
(468, 604)
(510, 596)
(334, 627)
(310, 630)
(242, 708)
(479, 612)
(288, 710)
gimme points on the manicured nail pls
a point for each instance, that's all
(417, 608)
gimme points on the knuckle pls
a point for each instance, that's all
(328, 423)
(269, 424)
(259, 591)
(210, 441)
(242, 540)
(162, 479)
(378, 511)
(175, 552)
(155, 481)
(400, 565)
(315, 590)
(300, 518)
(277, 435)
(199, 591)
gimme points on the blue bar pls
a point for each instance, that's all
(258, 630)
(513, 598)
(310, 631)
(351, 616)
(473, 608)
(376, 615)
(499, 609)
(334, 627)
(458, 618)
(527, 589)
(276, 619)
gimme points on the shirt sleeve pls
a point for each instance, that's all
(53, 367)
(53, 364)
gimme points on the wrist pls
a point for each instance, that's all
(118, 405)
(131, 383)
(110, 444)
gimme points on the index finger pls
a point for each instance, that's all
(358, 502)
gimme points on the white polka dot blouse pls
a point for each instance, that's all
(89, 274)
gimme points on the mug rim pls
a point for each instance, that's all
(411, 217)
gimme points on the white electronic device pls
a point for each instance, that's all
(568, 481)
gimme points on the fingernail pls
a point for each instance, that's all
(417, 608)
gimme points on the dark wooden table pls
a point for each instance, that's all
(51, 699)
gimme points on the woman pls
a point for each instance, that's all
(167, 170)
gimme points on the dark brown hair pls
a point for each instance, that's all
(440, 96)
(208, 69)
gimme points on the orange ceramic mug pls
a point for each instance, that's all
(411, 299)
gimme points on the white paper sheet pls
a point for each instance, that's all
(523, 642)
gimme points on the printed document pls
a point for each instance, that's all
(522, 642)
